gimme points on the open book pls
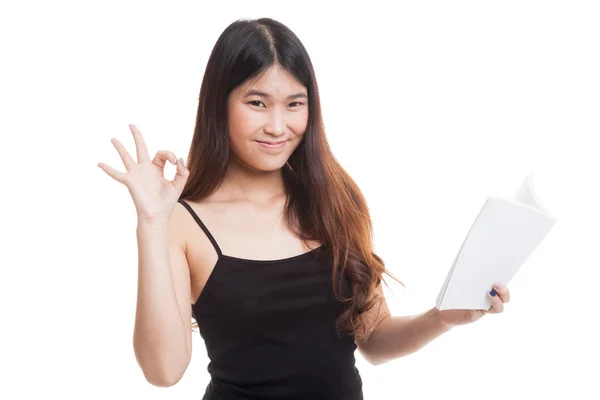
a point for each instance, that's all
(500, 240)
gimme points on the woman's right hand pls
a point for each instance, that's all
(153, 195)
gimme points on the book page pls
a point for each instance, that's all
(526, 194)
(500, 241)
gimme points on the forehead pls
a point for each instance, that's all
(274, 81)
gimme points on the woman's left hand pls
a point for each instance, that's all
(499, 295)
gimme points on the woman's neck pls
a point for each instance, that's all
(244, 183)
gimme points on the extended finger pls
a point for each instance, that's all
(113, 173)
(502, 291)
(127, 159)
(497, 304)
(162, 156)
(140, 144)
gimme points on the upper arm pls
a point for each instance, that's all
(372, 318)
(181, 272)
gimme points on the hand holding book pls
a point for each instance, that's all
(498, 296)
(501, 239)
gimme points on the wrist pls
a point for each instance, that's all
(152, 223)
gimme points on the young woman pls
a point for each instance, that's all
(267, 237)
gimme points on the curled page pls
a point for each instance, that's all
(500, 240)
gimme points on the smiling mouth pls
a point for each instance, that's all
(260, 141)
(272, 145)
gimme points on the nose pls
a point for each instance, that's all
(276, 123)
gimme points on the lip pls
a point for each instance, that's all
(272, 145)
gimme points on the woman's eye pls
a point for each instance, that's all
(258, 103)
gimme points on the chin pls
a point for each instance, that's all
(267, 165)
(261, 162)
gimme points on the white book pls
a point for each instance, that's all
(501, 239)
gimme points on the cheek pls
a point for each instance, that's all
(298, 122)
(242, 123)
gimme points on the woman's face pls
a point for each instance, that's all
(267, 117)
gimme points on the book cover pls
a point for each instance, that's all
(501, 239)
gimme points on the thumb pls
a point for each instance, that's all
(181, 176)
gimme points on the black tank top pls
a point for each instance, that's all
(269, 329)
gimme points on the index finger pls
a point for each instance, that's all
(140, 144)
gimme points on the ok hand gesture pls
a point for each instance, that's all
(153, 195)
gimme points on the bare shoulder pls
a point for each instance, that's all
(199, 252)
(183, 225)
(179, 223)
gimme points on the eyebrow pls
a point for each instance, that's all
(254, 92)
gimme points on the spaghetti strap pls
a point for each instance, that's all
(204, 228)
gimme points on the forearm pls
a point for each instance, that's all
(160, 342)
(398, 336)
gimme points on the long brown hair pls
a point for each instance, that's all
(323, 202)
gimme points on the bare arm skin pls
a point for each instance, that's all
(162, 334)
(398, 336)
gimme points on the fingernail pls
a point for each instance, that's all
(493, 292)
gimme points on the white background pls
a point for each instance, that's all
(430, 106)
